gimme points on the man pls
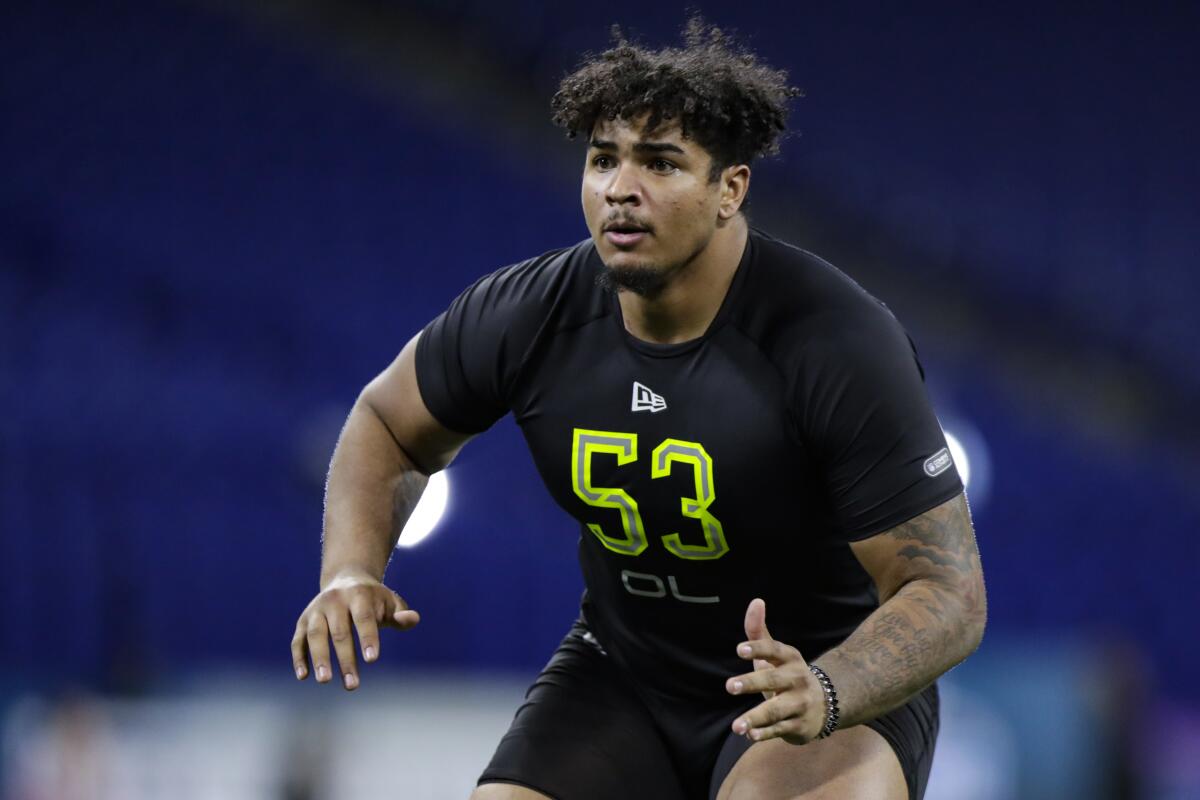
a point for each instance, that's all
(737, 426)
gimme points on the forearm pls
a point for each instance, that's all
(916, 635)
(373, 487)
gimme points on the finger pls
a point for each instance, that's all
(769, 650)
(400, 615)
(783, 716)
(299, 653)
(785, 706)
(761, 716)
(364, 614)
(789, 729)
(316, 633)
(343, 645)
(756, 620)
(767, 680)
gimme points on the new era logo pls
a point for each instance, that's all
(646, 400)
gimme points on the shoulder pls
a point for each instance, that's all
(470, 356)
(796, 302)
(539, 283)
(508, 309)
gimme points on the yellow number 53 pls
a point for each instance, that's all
(624, 446)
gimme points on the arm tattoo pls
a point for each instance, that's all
(931, 620)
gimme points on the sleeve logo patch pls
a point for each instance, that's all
(938, 463)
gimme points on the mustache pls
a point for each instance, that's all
(626, 221)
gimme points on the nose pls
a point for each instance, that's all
(623, 187)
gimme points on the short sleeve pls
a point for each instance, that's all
(467, 357)
(861, 405)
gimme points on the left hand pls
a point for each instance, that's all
(794, 708)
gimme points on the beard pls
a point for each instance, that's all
(641, 280)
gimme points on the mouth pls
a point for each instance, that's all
(625, 234)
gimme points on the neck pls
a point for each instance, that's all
(686, 306)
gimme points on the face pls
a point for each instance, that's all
(649, 203)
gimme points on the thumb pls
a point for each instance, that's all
(404, 619)
(756, 629)
(756, 620)
(401, 616)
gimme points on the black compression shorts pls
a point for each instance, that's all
(584, 733)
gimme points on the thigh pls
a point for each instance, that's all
(854, 763)
(583, 734)
(505, 791)
(908, 735)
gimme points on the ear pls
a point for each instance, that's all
(735, 184)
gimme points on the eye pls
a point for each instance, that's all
(602, 162)
(661, 165)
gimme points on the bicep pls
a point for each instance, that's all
(938, 545)
(394, 396)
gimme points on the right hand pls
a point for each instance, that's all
(348, 602)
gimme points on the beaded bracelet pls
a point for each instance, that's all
(831, 701)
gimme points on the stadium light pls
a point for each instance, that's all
(428, 512)
(961, 459)
(972, 457)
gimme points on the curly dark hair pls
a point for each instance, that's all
(718, 93)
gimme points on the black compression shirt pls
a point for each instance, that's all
(707, 473)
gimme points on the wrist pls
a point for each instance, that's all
(832, 712)
(349, 574)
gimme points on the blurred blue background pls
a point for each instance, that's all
(219, 220)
